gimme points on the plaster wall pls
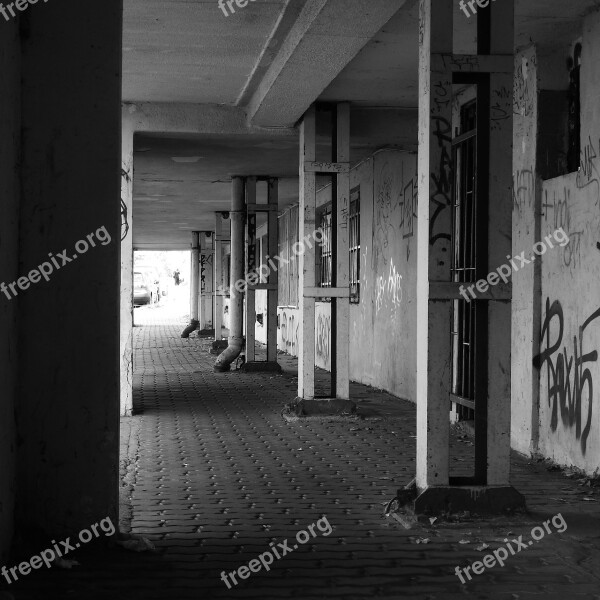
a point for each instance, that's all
(569, 416)
(10, 121)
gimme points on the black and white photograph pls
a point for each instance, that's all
(299, 299)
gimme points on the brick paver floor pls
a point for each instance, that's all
(213, 475)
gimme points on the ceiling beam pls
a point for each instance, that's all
(327, 35)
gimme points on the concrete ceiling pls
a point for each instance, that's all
(189, 51)
(178, 51)
(181, 180)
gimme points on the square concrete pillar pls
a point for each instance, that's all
(488, 490)
(338, 402)
(68, 410)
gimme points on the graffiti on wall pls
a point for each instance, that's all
(410, 196)
(323, 337)
(388, 290)
(125, 181)
(524, 96)
(557, 212)
(385, 202)
(289, 332)
(570, 386)
(206, 260)
(500, 107)
(442, 175)
(523, 189)
(588, 175)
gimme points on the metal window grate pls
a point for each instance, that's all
(324, 254)
(464, 263)
(354, 239)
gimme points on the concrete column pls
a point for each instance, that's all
(433, 246)
(497, 419)
(10, 132)
(251, 259)
(254, 276)
(341, 304)
(488, 490)
(273, 277)
(195, 291)
(306, 267)
(206, 282)
(236, 303)
(126, 237)
(338, 401)
(218, 277)
(68, 409)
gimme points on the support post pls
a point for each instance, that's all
(340, 305)
(254, 276)
(236, 304)
(194, 285)
(206, 283)
(251, 270)
(273, 277)
(338, 402)
(488, 491)
(218, 278)
(306, 269)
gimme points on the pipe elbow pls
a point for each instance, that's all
(233, 350)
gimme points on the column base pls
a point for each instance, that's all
(446, 500)
(193, 325)
(261, 367)
(320, 407)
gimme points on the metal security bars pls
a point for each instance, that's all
(354, 242)
(324, 250)
(464, 263)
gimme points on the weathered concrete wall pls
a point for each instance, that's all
(525, 282)
(10, 125)
(126, 237)
(569, 368)
(382, 325)
(570, 371)
(68, 413)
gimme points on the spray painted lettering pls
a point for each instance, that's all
(570, 386)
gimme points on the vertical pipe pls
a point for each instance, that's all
(236, 303)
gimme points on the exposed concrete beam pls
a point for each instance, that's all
(326, 37)
(209, 119)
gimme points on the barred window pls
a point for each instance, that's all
(354, 238)
(324, 250)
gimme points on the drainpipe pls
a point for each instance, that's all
(236, 302)
(194, 281)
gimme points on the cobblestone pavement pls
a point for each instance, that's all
(212, 475)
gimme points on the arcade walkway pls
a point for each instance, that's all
(213, 474)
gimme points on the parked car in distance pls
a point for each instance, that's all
(145, 290)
